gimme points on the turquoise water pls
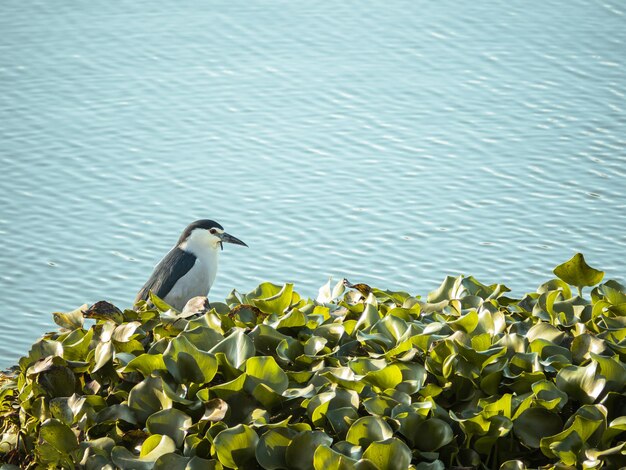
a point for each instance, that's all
(388, 143)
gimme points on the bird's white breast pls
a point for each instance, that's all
(199, 279)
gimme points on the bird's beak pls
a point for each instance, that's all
(228, 238)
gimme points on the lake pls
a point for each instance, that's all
(390, 143)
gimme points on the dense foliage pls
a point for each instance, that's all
(358, 378)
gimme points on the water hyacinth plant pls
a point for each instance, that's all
(359, 378)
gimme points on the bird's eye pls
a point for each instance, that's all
(213, 231)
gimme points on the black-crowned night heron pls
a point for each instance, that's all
(189, 269)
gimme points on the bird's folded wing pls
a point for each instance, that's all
(171, 268)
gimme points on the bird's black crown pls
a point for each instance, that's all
(203, 223)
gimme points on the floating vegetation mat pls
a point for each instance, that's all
(359, 378)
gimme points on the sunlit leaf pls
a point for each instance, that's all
(103, 354)
(153, 448)
(276, 303)
(576, 272)
(146, 364)
(148, 397)
(390, 454)
(581, 383)
(449, 289)
(125, 331)
(272, 447)
(170, 422)
(236, 446)
(389, 377)
(58, 435)
(513, 465)
(301, 449)
(237, 348)
(368, 429)
(327, 459)
(215, 410)
(71, 320)
(187, 363)
(565, 446)
(266, 371)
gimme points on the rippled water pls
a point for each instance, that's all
(389, 143)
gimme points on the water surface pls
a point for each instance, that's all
(388, 143)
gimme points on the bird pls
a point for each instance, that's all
(190, 267)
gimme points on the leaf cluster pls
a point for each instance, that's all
(357, 378)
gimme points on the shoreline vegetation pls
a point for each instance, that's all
(359, 378)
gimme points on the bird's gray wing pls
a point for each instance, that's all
(169, 270)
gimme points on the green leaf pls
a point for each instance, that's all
(576, 272)
(153, 448)
(215, 410)
(197, 463)
(349, 450)
(585, 344)
(432, 434)
(613, 370)
(76, 348)
(555, 284)
(341, 419)
(367, 430)
(389, 377)
(146, 364)
(266, 371)
(272, 447)
(57, 381)
(228, 389)
(266, 339)
(513, 465)
(294, 319)
(104, 353)
(435, 465)
(585, 426)
(327, 459)
(71, 320)
(615, 428)
(124, 332)
(545, 331)
(171, 462)
(159, 303)
(148, 397)
(276, 303)
(58, 435)
(466, 323)
(170, 422)
(115, 413)
(379, 405)
(581, 383)
(549, 395)
(534, 424)
(390, 454)
(565, 446)
(448, 290)
(237, 348)
(327, 294)
(300, 452)
(236, 446)
(187, 363)
(178, 462)
(314, 345)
